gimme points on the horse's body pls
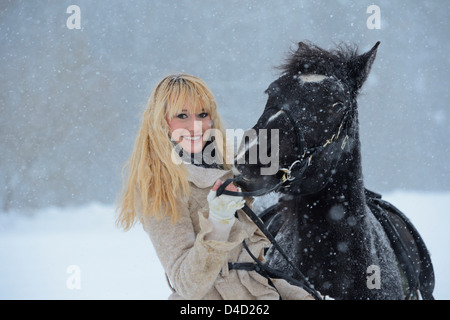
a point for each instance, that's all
(322, 218)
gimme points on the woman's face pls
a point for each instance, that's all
(189, 130)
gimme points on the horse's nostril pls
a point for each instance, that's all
(241, 178)
(235, 170)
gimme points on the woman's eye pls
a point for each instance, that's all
(182, 116)
(203, 115)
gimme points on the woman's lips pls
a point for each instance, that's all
(194, 138)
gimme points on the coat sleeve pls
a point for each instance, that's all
(191, 262)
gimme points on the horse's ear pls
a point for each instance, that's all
(360, 66)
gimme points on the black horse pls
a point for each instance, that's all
(348, 242)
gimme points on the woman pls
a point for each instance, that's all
(171, 187)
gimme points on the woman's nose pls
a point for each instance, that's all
(195, 127)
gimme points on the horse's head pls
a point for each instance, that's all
(310, 121)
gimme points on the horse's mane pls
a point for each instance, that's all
(311, 59)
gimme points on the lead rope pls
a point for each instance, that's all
(305, 283)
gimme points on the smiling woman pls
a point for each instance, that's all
(177, 105)
(190, 130)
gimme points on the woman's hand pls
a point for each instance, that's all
(223, 208)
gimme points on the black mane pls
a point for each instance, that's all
(311, 59)
(344, 63)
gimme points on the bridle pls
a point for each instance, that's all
(295, 170)
(298, 167)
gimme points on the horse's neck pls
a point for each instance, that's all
(346, 190)
(347, 187)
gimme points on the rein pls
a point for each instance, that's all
(303, 282)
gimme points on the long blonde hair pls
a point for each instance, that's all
(155, 181)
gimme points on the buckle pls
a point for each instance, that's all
(287, 172)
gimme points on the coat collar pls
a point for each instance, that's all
(206, 177)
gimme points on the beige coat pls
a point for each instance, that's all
(198, 268)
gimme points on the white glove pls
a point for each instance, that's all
(222, 208)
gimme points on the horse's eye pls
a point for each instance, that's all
(338, 105)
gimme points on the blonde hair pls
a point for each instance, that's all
(155, 182)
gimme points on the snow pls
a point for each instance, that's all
(36, 252)
(39, 251)
(71, 100)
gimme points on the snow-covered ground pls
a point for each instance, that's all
(78, 253)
